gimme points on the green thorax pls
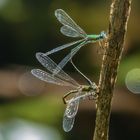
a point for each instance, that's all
(94, 37)
(86, 88)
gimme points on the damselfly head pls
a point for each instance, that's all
(103, 35)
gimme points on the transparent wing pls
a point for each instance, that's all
(42, 75)
(51, 66)
(70, 113)
(68, 123)
(69, 31)
(72, 108)
(63, 47)
(65, 19)
(68, 57)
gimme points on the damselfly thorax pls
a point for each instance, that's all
(94, 38)
(86, 91)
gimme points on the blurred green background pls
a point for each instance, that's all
(33, 110)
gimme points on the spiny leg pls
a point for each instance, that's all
(101, 49)
(103, 46)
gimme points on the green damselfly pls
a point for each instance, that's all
(71, 29)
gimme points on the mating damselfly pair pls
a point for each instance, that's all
(57, 76)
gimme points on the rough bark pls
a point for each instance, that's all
(119, 15)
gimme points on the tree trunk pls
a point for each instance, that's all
(119, 15)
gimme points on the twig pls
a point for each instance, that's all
(119, 15)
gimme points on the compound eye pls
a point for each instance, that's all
(103, 34)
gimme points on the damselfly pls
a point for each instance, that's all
(71, 29)
(80, 92)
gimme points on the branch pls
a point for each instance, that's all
(119, 15)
